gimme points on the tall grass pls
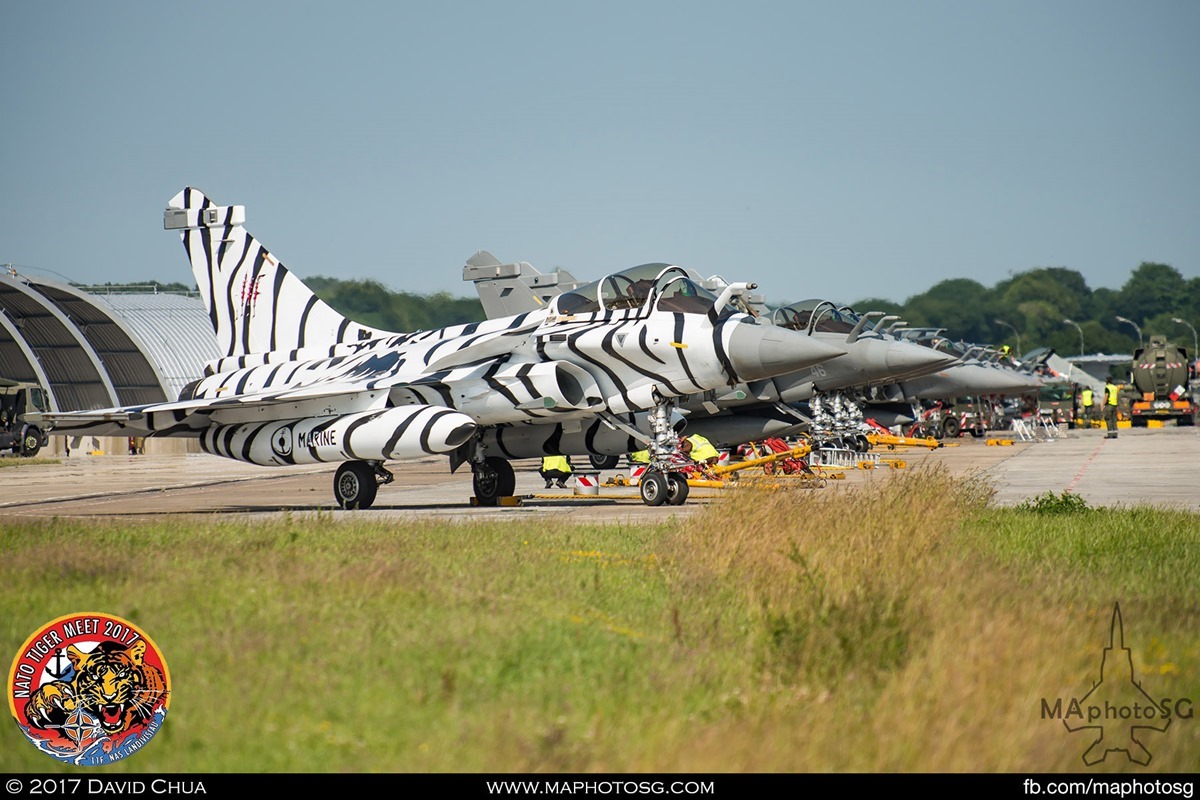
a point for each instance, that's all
(904, 625)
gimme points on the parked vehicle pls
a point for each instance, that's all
(1160, 378)
(16, 399)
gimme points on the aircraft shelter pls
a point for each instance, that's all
(99, 350)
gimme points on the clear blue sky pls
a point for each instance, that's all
(822, 149)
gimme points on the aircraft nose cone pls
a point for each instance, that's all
(764, 351)
(995, 380)
(906, 358)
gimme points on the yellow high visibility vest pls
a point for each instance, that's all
(1086, 398)
(559, 463)
(702, 449)
(641, 457)
(1110, 395)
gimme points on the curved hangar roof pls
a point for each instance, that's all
(99, 351)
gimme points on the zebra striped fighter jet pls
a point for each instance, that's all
(299, 383)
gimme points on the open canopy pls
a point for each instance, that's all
(816, 315)
(658, 287)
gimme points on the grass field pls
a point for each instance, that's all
(21, 461)
(904, 626)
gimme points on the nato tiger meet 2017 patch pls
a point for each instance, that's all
(89, 689)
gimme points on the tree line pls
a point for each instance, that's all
(373, 304)
(1036, 303)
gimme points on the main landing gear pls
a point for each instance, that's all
(604, 462)
(493, 478)
(356, 483)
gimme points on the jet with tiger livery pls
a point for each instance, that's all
(298, 383)
(731, 415)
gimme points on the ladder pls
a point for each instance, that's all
(1022, 430)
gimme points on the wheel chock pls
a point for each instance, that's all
(509, 502)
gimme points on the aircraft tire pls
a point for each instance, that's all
(604, 462)
(654, 488)
(494, 480)
(354, 485)
(677, 489)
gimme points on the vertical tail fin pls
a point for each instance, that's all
(506, 290)
(256, 305)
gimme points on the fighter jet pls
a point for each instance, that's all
(735, 414)
(894, 399)
(299, 383)
(974, 373)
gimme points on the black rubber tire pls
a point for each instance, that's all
(604, 462)
(31, 443)
(654, 488)
(677, 489)
(354, 485)
(951, 427)
(495, 480)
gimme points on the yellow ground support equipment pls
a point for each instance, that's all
(892, 441)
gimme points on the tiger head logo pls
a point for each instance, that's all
(96, 697)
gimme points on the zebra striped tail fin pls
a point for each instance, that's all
(255, 304)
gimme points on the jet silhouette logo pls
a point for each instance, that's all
(1116, 713)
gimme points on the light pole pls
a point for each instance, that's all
(1015, 333)
(1135, 327)
(1076, 324)
(1195, 346)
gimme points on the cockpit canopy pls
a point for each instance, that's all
(816, 315)
(960, 348)
(661, 287)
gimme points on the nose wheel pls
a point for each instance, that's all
(654, 487)
(677, 488)
(659, 488)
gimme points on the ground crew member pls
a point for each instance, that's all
(1110, 408)
(556, 468)
(640, 457)
(699, 449)
(1087, 404)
